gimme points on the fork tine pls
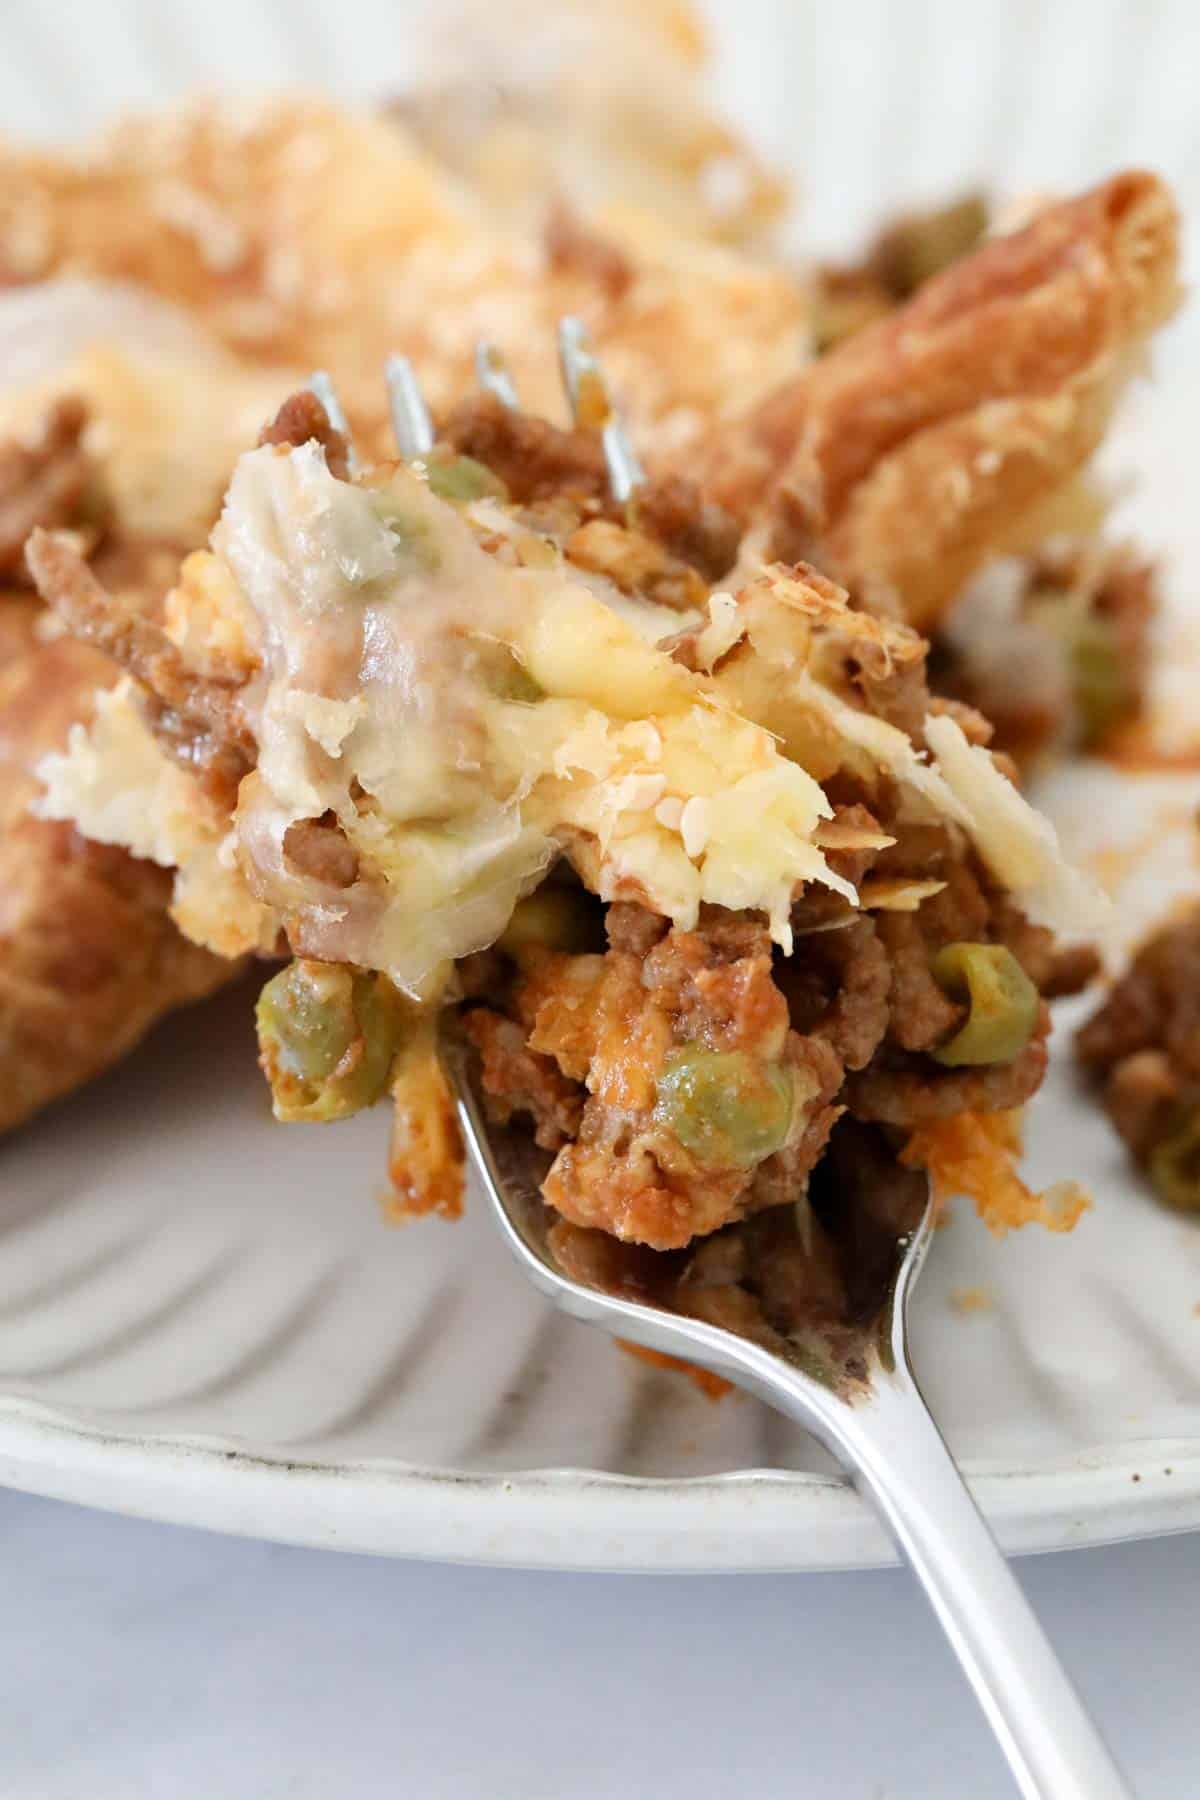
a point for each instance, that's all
(591, 406)
(411, 423)
(320, 384)
(492, 372)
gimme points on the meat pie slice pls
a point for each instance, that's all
(128, 456)
(303, 234)
(715, 885)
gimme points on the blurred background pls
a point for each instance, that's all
(872, 103)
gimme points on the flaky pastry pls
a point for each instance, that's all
(955, 428)
(305, 235)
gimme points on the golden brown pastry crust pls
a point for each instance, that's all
(88, 957)
(305, 236)
(937, 436)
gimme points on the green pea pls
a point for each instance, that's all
(728, 1108)
(460, 479)
(1101, 687)
(1174, 1164)
(1004, 1003)
(411, 532)
(1103, 694)
(554, 919)
(327, 1036)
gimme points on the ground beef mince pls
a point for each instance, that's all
(301, 419)
(541, 464)
(697, 530)
(909, 1093)
(517, 1080)
(632, 927)
(920, 1013)
(1142, 1049)
(198, 719)
(723, 1113)
(707, 1097)
(689, 1080)
(533, 458)
(318, 847)
(811, 1271)
(702, 1103)
(840, 989)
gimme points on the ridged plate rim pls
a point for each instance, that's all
(741, 1521)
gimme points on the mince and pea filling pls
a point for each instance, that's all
(726, 898)
(686, 1079)
(1141, 1048)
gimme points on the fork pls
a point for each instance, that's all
(878, 1427)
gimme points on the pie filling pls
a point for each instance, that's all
(735, 912)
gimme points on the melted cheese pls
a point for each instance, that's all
(464, 718)
(466, 714)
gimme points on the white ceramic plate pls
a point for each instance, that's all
(202, 1317)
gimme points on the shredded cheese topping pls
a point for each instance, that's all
(464, 715)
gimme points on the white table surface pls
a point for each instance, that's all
(141, 1660)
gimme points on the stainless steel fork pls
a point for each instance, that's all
(880, 1429)
(885, 1439)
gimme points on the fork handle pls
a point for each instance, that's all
(898, 1459)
